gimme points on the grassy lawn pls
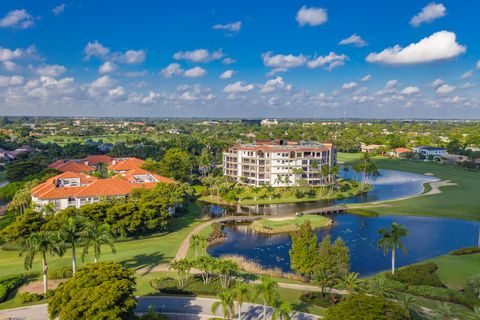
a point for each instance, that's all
(459, 201)
(455, 270)
(3, 176)
(289, 225)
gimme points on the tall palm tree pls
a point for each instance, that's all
(242, 294)
(391, 240)
(267, 291)
(41, 243)
(282, 312)
(226, 303)
(95, 235)
(71, 232)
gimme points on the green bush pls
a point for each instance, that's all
(9, 284)
(463, 251)
(28, 297)
(326, 300)
(195, 286)
(444, 294)
(61, 273)
(418, 274)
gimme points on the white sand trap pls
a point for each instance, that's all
(281, 218)
(437, 184)
(428, 174)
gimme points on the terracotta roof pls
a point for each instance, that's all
(95, 159)
(70, 166)
(127, 164)
(49, 189)
(402, 150)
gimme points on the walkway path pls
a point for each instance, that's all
(175, 307)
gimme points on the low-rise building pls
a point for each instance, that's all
(279, 163)
(372, 148)
(430, 151)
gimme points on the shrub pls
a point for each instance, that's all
(444, 294)
(463, 251)
(326, 300)
(28, 297)
(418, 274)
(61, 273)
(9, 284)
(195, 286)
(360, 306)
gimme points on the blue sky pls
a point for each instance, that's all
(308, 59)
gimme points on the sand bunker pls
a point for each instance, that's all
(437, 184)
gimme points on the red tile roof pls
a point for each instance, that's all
(402, 150)
(70, 166)
(127, 164)
(101, 158)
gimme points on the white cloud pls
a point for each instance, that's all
(330, 61)
(354, 39)
(467, 75)
(136, 74)
(436, 83)
(6, 81)
(410, 90)
(349, 85)
(233, 27)
(195, 72)
(362, 98)
(59, 9)
(281, 61)
(131, 57)
(238, 87)
(428, 14)
(368, 77)
(51, 70)
(311, 16)
(272, 85)
(391, 84)
(95, 49)
(227, 74)
(116, 93)
(10, 66)
(107, 67)
(199, 55)
(17, 54)
(103, 82)
(441, 45)
(228, 61)
(173, 69)
(17, 19)
(478, 65)
(445, 88)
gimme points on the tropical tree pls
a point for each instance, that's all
(198, 244)
(225, 269)
(95, 235)
(71, 232)
(380, 286)
(475, 315)
(324, 279)
(282, 312)
(303, 253)
(444, 311)
(41, 243)
(407, 300)
(206, 265)
(242, 294)
(473, 284)
(182, 267)
(226, 302)
(391, 240)
(351, 282)
(266, 290)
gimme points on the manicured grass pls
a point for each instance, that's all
(289, 225)
(3, 176)
(455, 270)
(458, 201)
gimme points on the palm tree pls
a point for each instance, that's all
(70, 232)
(226, 302)
(242, 294)
(351, 282)
(267, 291)
(198, 244)
(473, 284)
(379, 286)
(41, 243)
(95, 235)
(475, 315)
(444, 311)
(406, 300)
(390, 240)
(282, 312)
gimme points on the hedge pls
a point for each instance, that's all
(463, 251)
(418, 274)
(9, 284)
(61, 273)
(322, 300)
(195, 286)
(445, 294)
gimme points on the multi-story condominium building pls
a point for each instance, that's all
(279, 163)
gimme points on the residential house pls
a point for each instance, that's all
(430, 151)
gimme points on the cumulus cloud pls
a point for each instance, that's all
(103, 82)
(233, 27)
(283, 61)
(428, 14)
(195, 72)
(349, 85)
(368, 77)
(445, 88)
(10, 66)
(17, 19)
(354, 39)
(18, 54)
(59, 9)
(173, 69)
(6, 81)
(238, 87)
(410, 90)
(436, 83)
(51, 70)
(98, 50)
(439, 46)
(311, 16)
(107, 67)
(95, 49)
(272, 85)
(199, 55)
(478, 65)
(227, 74)
(467, 75)
(330, 61)
(391, 84)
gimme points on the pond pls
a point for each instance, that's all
(429, 237)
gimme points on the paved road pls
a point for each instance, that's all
(175, 307)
